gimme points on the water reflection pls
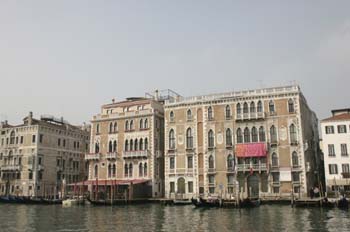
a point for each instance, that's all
(153, 217)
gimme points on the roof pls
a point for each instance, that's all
(129, 102)
(339, 117)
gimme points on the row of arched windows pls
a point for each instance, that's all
(142, 170)
(252, 108)
(112, 146)
(112, 170)
(136, 144)
(275, 162)
(128, 170)
(230, 161)
(129, 125)
(252, 135)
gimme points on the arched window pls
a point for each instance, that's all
(130, 170)
(271, 107)
(260, 107)
(228, 137)
(146, 124)
(230, 162)
(131, 145)
(110, 127)
(239, 136)
(171, 139)
(114, 146)
(238, 108)
(141, 144)
(295, 159)
(114, 171)
(252, 107)
(274, 160)
(254, 135)
(189, 115)
(136, 145)
(145, 169)
(172, 116)
(211, 161)
(140, 170)
(273, 134)
(12, 137)
(290, 106)
(126, 170)
(146, 144)
(97, 147)
(127, 125)
(110, 146)
(126, 145)
(96, 171)
(97, 128)
(131, 124)
(210, 139)
(262, 137)
(228, 112)
(246, 135)
(293, 134)
(115, 127)
(210, 113)
(189, 138)
(109, 170)
(245, 108)
(141, 123)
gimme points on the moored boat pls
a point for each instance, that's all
(250, 203)
(209, 203)
(182, 202)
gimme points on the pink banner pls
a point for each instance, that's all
(251, 150)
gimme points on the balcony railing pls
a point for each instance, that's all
(11, 167)
(111, 155)
(211, 170)
(230, 169)
(250, 116)
(253, 167)
(92, 156)
(135, 154)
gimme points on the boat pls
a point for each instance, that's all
(28, 200)
(249, 203)
(209, 203)
(343, 203)
(182, 202)
(73, 201)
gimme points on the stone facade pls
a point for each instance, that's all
(127, 143)
(259, 143)
(38, 156)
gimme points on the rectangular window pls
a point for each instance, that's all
(344, 149)
(331, 151)
(275, 177)
(22, 138)
(190, 162)
(329, 129)
(345, 168)
(172, 162)
(190, 187)
(39, 160)
(172, 187)
(212, 190)
(341, 129)
(296, 177)
(41, 137)
(59, 142)
(30, 177)
(33, 139)
(211, 179)
(276, 190)
(333, 169)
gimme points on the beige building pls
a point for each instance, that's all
(38, 156)
(260, 142)
(126, 150)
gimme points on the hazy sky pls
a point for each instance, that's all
(67, 58)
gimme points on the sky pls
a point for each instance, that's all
(67, 58)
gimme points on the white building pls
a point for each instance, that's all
(336, 142)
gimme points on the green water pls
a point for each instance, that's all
(154, 217)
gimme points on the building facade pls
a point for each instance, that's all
(336, 142)
(255, 143)
(127, 143)
(39, 156)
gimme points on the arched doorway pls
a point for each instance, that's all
(181, 187)
(253, 186)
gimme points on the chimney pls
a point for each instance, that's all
(156, 94)
(113, 100)
(30, 118)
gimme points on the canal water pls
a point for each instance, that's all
(155, 217)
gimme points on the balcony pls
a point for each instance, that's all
(92, 156)
(11, 167)
(276, 183)
(211, 170)
(296, 167)
(251, 167)
(250, 116)
(135, 154)
(59, 169)
(230, 170)
(111, 155)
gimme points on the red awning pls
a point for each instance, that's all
(251, 150)
(109, 182)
